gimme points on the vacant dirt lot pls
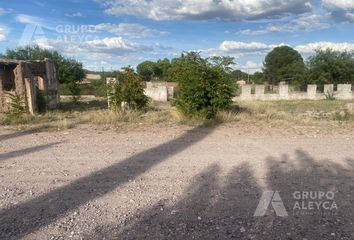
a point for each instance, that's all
(173, 183)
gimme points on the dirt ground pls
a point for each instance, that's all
(174, 183)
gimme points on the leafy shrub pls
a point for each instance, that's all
(96, 88)
(100, 88)
(72, 89)
(204, 87)
(17, 105)
(128, 92)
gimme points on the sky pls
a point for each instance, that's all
(110, 34)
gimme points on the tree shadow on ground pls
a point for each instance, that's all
(17, 134)
(18, 153)
(224, 209)
(25, 218)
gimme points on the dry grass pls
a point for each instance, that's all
(271, 113)
(294, 111)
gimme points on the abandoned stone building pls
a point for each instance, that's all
(28, 79)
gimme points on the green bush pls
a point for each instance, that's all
(128, 92)
(99, 88)
(75, 90)
(17, 105)
(204, 87)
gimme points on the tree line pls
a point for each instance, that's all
(282, 64)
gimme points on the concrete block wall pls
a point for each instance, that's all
(246, 92)
(157, 91)
(328, 89)
(344, 91)
(284, 91)
(260, 90)
(311, 91)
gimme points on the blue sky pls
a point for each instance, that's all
(111, 34)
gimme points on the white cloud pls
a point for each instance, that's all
(3, 33)
(239, 50)
(235, 10)
(116, 52)
(27, 19)
(129, 30)
(349, 17)
(250, 67)
(251, 47)
(305, 23)
(37, 21)
(311, 47)
(115, 46)
(75, 14)
(2, 11)
(342, 4)
(341, 10)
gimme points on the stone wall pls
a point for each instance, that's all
(344, 91)
(159, 91)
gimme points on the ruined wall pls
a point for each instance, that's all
(19, 79)
(7, 85)
(29, 78)
(3, 105)
(344, 91)
(52, 84)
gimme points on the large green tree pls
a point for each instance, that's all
(225, 62)
(258, 77)
(284, 64)
(163, 65)
(147, 70)
(328, 66)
